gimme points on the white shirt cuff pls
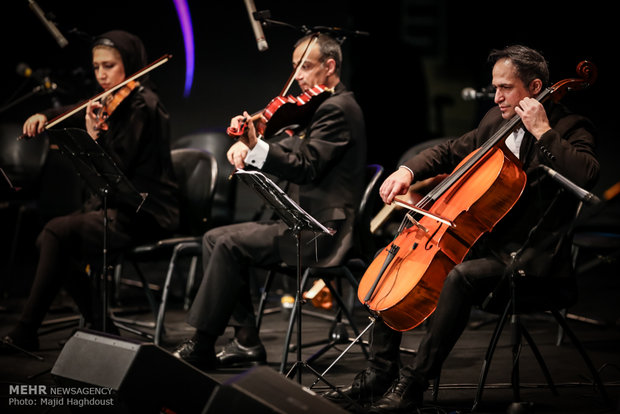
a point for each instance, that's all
(408, 169)
(257, 155)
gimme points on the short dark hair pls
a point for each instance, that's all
(328, 47)
(530, 63)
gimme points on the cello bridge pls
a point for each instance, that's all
(416, 223)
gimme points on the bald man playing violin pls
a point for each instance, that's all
(322, 167)
(552, 136)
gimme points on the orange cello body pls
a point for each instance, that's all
(408, 292)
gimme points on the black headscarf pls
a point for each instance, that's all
(129, 46)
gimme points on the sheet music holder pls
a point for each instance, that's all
(95, 166)
(297, 220)
(287, 209)
(102, 176)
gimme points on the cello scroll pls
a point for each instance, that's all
(587, 72)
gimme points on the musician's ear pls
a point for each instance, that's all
(535, 87)
(330, 64)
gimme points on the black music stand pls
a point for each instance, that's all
(297, 220)
(103, 177)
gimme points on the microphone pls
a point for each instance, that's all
(23, 69)
(51, 27)
(470, 94)
(577, 191)
(256, 27)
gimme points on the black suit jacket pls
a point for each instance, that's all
(138, 140)
(325, 166)
(568, 148)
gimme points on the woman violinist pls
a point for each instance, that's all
(550, 136)
(136, 135)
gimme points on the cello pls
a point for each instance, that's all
(403, 283)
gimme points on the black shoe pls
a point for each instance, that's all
(12, 344)
(404, 396)
(236, 355)
(368, 385)
(193, 353)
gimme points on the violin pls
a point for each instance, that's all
(283, 110)
(105, 94)
(111, 102)
(404, 281)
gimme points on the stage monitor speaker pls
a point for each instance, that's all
(261, 390)
(113, 374)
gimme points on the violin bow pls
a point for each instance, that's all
(103, 94)
(291, 78)
(256, 116)
(302, 60)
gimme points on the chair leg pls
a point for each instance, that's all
(539, 358)
(177, 252)
(342, 308)
(161, 313)
(189, 285)
(516, 352)
(596, 378)
(347, 312)
(118, 274)
(435, 392)
(486, 364)
(146, 289)
(263, 298)
(338, 332)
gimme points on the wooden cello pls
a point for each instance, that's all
(404, 281)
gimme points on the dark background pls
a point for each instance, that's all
(407, 75)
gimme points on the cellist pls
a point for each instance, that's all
(551, 136)
(323, 162)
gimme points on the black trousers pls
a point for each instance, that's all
(67, 244)
(468, 284)
(223, 297)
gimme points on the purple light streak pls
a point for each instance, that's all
(188, 40)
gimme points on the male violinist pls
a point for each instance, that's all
(550, 136)
(324, 164)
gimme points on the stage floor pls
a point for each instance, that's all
(599, 300)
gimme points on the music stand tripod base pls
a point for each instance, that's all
(297, 220)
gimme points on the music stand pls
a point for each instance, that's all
(297, 220)
(103, 177)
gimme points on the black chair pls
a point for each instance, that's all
(362, 253)
(599, 233)
(521, 294)
(22, 163)
(596, 244)
(196, 173)
(217, 143)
